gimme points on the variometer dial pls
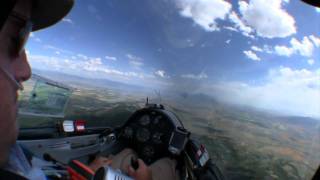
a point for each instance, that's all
(144, 120)
(143, 135)
(128, 132)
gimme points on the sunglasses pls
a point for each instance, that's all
(19, 43)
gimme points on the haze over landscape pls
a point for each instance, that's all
(245, 142)
(243, 76)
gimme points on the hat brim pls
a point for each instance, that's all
(312, 2)
(48, 12)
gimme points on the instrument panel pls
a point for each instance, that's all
(148, 132)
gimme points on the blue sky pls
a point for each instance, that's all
(259, 53)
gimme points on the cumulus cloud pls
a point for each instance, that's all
(136, 64)
(246, 30)
(133, 57)
(231, 28)
(84, 57)
(135, 61)
(90, 67)
(267, 49)
(251, 55)
(161, 73)
(204, 13)
(315, 40)
(56, 49)
(37, 40)
(305, 47)
(267, 18)
(112, 58)
(286, 90)
(92, 64)
(283, 51)
(310, 62)
(67, 20)
(200, 76)
(255, 48)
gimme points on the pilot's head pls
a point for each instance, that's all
(17, 19)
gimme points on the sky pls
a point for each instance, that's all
(259, 53)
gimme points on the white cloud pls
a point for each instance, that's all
(161, 73)
(310, 62)
(93, 64)
(38, 40)
(92, 67)
(84, 57)
(136, 64)
(228, 41)
(67, 20)
(255, 48)
(285, 90)
(135, 61)
(251, 55)
(231, 28)
(246, 30)
(267, 49)
(268, 18)
(304, 48)
(55, 49)
(283, 51)
(205, 13)
(200, 76)
(133, 57)
(317, 10)
(315, 40)
(112, 58)
(84, 66)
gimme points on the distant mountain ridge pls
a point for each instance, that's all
(77, 80)
(200, 99)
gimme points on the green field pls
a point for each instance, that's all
(246, 143)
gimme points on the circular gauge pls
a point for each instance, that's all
(143, 135)
(148, 151)
(157, 119)
(128, 132)
(156, 138)
(144, 120)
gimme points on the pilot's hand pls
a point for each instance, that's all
(142, 173)
(99, 162)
